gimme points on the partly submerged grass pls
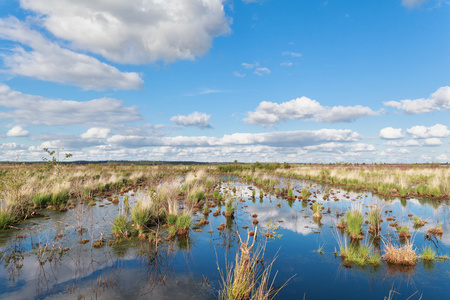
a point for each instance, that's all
(140, 214)
(120, 225)
(375, 216)
(183, 221)
(171, 219)
(248, 278)
(7, 216)
(401, 255)
(359, 254)
(428, 254)
(354, 220)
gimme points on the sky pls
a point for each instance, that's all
(303, 81)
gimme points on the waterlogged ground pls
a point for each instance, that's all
(45, 260)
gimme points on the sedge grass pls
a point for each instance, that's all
(248, 278)
(360, 255)
(400, 255)
(354, 220)
(428, 253)
(7, 216)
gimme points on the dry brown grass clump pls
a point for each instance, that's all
(404, 255)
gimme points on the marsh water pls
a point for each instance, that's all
(44, 259)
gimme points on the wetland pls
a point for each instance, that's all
(195, 232)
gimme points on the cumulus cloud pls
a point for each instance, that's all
(17, 131)
(269, 113)
(412, 3)
(442, 157)
(197, 119)
(422, 132)
(49, 62)
(408, 143)
(300, 138)
(37, 110)
(96, 133)
(432, 142)
(12, 146)
(135, 31)
(439, 100)
(390, 133)
(341, 148)
(394, 151)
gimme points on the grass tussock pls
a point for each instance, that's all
(360, 255)
(7, 216)
(248, 278)
(354, 221)
(400, 255)
(428, 254)
(120, 225)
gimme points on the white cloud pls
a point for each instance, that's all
(258, 70)
(432, 142)
(12, 146)
(436, 131)
(250, 66)
(286, 64)
(273, 139)
(49, 62)
(391, 133)
(394, 151)
(412, 3)
(408, 143)
(442, 158)
(293, 54)
(200, 120)
(96, 133)
(237, 74)
(439, 100)
(36, 110)
(269, 113)
(17, 131)
(262, 71)
(341, 148)
(135, 31)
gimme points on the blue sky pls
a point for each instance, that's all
(211, 80)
